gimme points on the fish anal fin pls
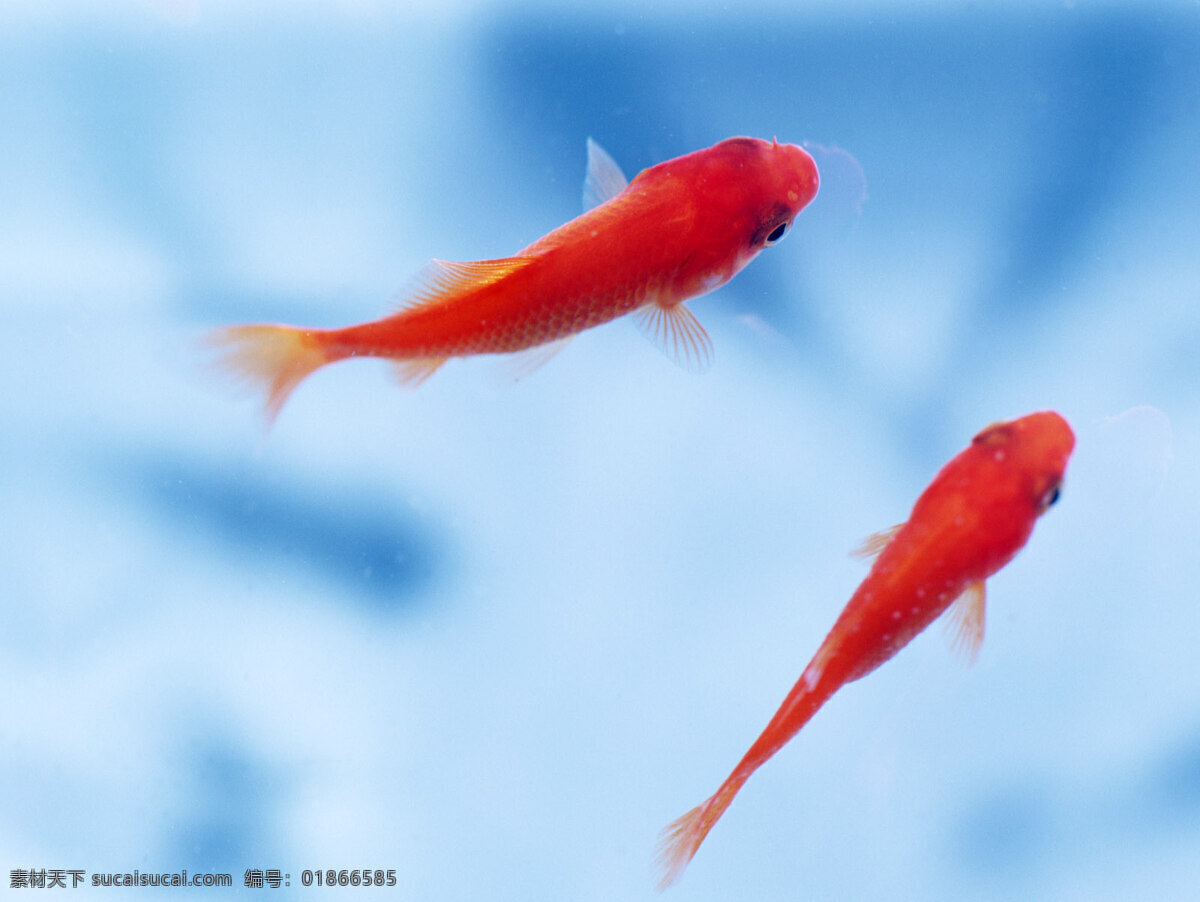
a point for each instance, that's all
(412, 373)
(965, 621)
(677, 332)
(604, 179)
(444, 280)
(872, 546)
(524, 363)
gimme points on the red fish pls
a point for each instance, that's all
(677, 231)
(972, 519)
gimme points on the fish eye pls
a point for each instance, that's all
(776, 233)
(1051, 496)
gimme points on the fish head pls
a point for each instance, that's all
(1033, 450)
(746, 192)
(774, 183)
(727, 202)
(795, 174)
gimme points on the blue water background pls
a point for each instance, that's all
(496, 634)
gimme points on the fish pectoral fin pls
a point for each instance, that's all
(411, 373)
(872, 546)
(443, 280)
(523, 363)
(604, 179)
(966, 619)
(677, 332)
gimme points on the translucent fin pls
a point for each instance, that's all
(604, 179)
(272, 358)
(965, 621)
(678, 333)
(872, 546)
(443, 280)
(679, 841)
(523, 363)
(412, 373)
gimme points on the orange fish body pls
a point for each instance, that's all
(678, 230)
(972, 519)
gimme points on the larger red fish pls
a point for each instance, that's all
(972, 519)
(678, 230)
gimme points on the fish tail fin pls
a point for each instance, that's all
(271, 358)
(679, 841)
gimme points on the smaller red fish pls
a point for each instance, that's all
(972, 519)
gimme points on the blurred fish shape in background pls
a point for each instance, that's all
(679, 230)
(975, 515)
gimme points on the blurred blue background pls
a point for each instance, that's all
(497, 635)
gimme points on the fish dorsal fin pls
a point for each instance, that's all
(965, 621)
(443, 280)
(522, 363)
(872, 546)
(677, 333)
(604, 179)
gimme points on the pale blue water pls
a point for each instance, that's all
(495, 636)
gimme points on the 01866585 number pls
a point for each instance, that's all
(356, 877)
